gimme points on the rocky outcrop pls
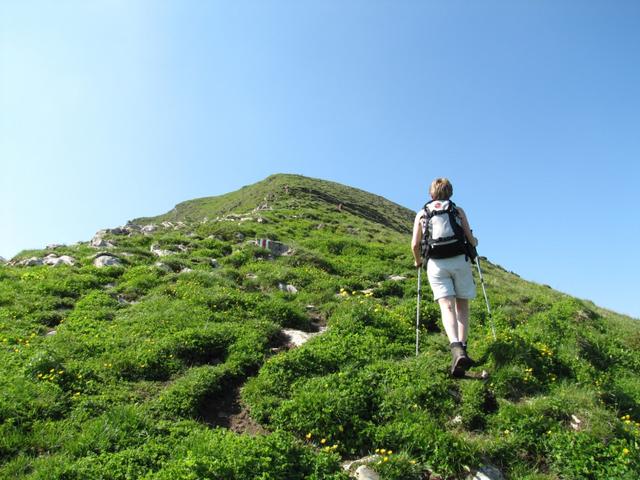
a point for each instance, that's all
(30, 262)
(147, 229)
(99, 242)
(119, 231)
(173, 225)
(106, 260)
(53, 260)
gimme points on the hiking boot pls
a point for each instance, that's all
(459, 360)
(471, 360)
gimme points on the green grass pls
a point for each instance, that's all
(143, 356)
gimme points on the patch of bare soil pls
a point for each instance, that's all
(227, 411)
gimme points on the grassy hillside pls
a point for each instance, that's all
(175, 366)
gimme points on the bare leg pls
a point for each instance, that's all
(448, 311)
(462, 317)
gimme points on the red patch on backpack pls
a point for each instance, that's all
(437, 204)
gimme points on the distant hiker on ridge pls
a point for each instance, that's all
(441, 235)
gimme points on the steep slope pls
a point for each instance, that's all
(125, 371)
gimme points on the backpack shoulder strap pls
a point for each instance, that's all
(426, 216)
(454, 214)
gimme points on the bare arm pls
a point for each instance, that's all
(416, 239)
(467, 229)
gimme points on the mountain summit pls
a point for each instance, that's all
(287, 191)
(269, 333)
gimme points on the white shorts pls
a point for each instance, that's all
(451, 277)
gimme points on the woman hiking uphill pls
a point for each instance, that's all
(441, 235)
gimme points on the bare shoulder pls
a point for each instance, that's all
(419, 220)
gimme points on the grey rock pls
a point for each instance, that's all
(107, 261)
(53, 246)
(352, 465)
(576, 423)
(298, 337)
(364, 472)
(156, 250)
(251, 276)
(54, 260)
(288, 288)
(186, 270)
(214, 263)
(276, 248)
(148, 229)
(119, 231)
(397, 278)
(31, 262)
(486, 472)
(51, 333)
(99, 242)
(239, 236)
(163, 266)
(457, 420)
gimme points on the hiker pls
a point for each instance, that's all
(441, 235)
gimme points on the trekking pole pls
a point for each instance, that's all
(484, 290)
(418, 309)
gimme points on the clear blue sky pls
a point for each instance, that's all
(111, 110)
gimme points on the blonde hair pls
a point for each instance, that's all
(441, 189)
